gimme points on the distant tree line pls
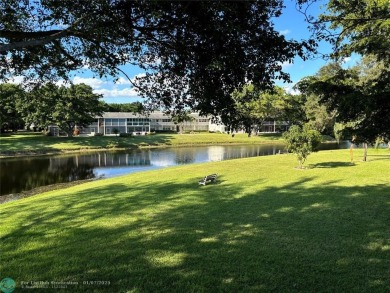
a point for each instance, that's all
(50, 104)
(135, 107)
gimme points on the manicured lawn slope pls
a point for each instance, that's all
(263, 227)
(27, 142)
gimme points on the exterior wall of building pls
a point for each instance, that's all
(274, 126)
(120, 122)
(53, 130)
(112, 123)
(217, 127)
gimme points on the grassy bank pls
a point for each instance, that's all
(263, 227)
(20, 144)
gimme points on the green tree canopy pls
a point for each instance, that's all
(360, 97)
(244, 115)
(65, 107)
(179, 118)
(9, 116)
(361, 94)
(353, 26)
(302, 141)
(252, 106)
(364, 27)
(135, 107)
(318, 116)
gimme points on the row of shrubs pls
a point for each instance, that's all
(120, 134)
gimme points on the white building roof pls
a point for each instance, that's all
(121, 115)
(152, 115)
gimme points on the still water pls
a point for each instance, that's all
(22, 174)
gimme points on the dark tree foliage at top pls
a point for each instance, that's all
(195, 53)
(10, 119)
(352, 26)
(361, 95)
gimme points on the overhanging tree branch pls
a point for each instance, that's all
(8, 34)
(48, 37)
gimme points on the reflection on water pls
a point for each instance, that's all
(21, 174)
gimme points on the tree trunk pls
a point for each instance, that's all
(365, 152)
(351, 152)
(301, 162)
(249, 130)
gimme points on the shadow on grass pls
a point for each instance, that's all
(39, 144)
(271, 136)
(377, 157)
(178, 236)
(29, 144)
(331, 165)
(133, 141)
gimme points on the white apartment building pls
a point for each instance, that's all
(126, 122)
(111, 123)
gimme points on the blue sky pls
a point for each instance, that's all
(291, 24)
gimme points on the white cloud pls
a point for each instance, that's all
(117, 93)
(62, 82)
(20, 80)
(122, 81)
(139, 75)
(16, 80)
(93, 82)
(152, 60)
(285, 32)
(290, 90)
(121, 89)
(346, 60)
(125, 81)
(286, 65)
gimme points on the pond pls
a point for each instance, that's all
(27, 173)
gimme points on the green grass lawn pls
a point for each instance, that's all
(25, 143)
(264, 227)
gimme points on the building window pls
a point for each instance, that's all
(138, 121)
